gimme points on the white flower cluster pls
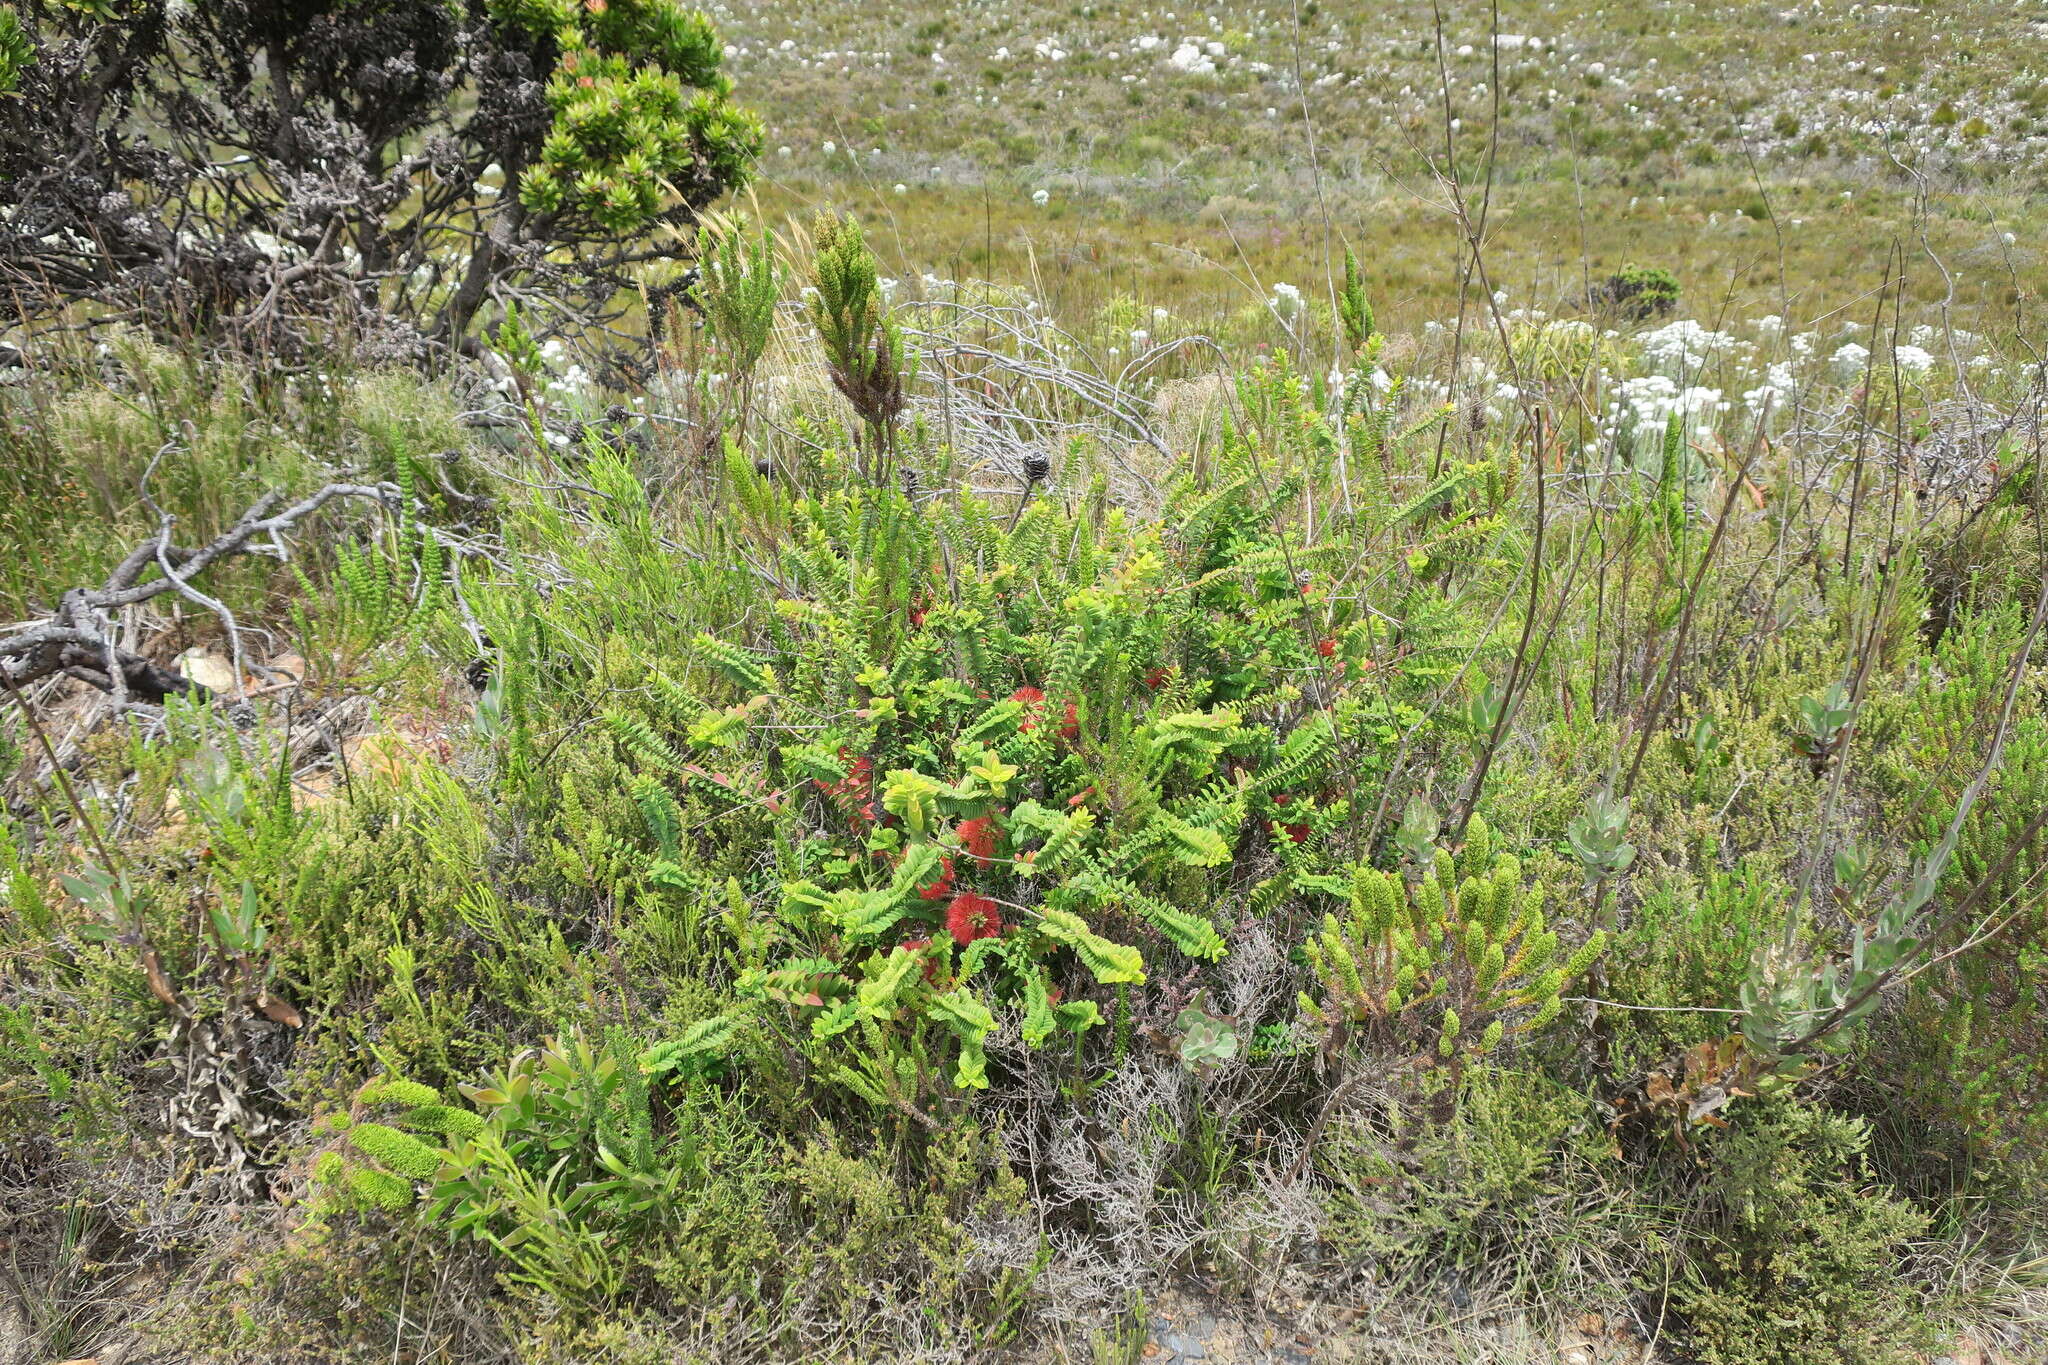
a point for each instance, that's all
(1682, 347)
(1643, 407)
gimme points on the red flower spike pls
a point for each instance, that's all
(970, 917)
(1326, 647)
(1033, 699)
(1073, 726)
(1156, 679)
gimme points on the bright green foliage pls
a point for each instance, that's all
(375, 593)
(1354, 309)
(979, 828)
(1452, 959)
(581, 1146)
(991, 775)
(639, 106)
(379, 1165)
(17, 50)
(863, 348)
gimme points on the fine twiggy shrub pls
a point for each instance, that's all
(1805, 1262)
(1512, 1183)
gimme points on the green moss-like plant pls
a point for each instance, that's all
(377, 1165)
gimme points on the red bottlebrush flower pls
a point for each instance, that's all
(1326, 647)
(978, 837)
(970, 917)
(1297, 833)
(1073, 726)
(938, 890)
(1156, 678)
(1033, 699)
(1281, 798)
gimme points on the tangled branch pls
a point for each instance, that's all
(77, 639)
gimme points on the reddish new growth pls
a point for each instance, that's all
(1326, 647)
(852, 791)
(978, 837)
(970, 917)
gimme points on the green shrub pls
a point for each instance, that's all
(1807, 1259)
(1638, 292)
(560, 131)
(1446, 961)
(1513, 1183)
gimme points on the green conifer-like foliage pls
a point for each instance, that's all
(376, 1164)
(639, 104)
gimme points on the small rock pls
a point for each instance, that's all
(209, 670)
(1187, 1348)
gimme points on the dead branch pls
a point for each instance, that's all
(77, 638)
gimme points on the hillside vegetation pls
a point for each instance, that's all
(1182, 703)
